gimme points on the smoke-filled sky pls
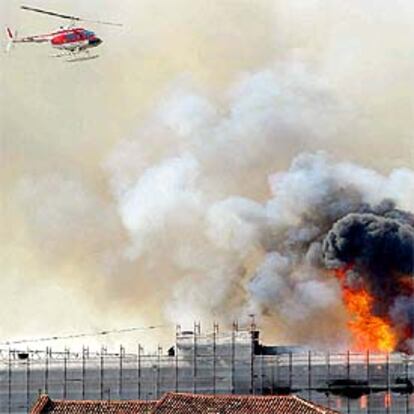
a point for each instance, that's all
(164, 181)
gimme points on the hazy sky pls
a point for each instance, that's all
(74, 137)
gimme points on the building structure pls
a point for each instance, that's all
(176, 403)
(229, 362)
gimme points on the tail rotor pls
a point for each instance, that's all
(11, 39)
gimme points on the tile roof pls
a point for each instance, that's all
(45, 405)
(236, 404)
(182, 403)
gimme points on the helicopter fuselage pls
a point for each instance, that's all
(75, 39)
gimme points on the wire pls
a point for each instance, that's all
(83, 335)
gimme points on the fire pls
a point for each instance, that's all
(369, 332)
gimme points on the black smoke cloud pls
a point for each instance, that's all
(379, 243)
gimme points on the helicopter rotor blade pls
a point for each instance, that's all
(66, 16)
(50, 13)
(100, 22)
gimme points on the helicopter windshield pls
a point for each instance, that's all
(71, 37)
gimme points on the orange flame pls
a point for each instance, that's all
(369, 332)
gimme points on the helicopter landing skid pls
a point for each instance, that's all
(81, 58)
(60, 55)
(78, 56)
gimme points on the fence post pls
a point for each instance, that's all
(348, 365)
(252, 333)
(176, 368)
(262, 375)
(139, 371)
(158, 379)
(252, 365)
(348, 374)
(388, 381)
(102, 374)
(408, 399)
(277, 371)
(10, 383)
(368, 381)
(310, 375)
(233, 356)
(48, 351)
(328, 376)
(196, 326)
(65, 373)
(83, 371)
(215, 331)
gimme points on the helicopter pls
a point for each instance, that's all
(71, 42)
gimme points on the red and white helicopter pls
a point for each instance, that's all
(71, 41)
